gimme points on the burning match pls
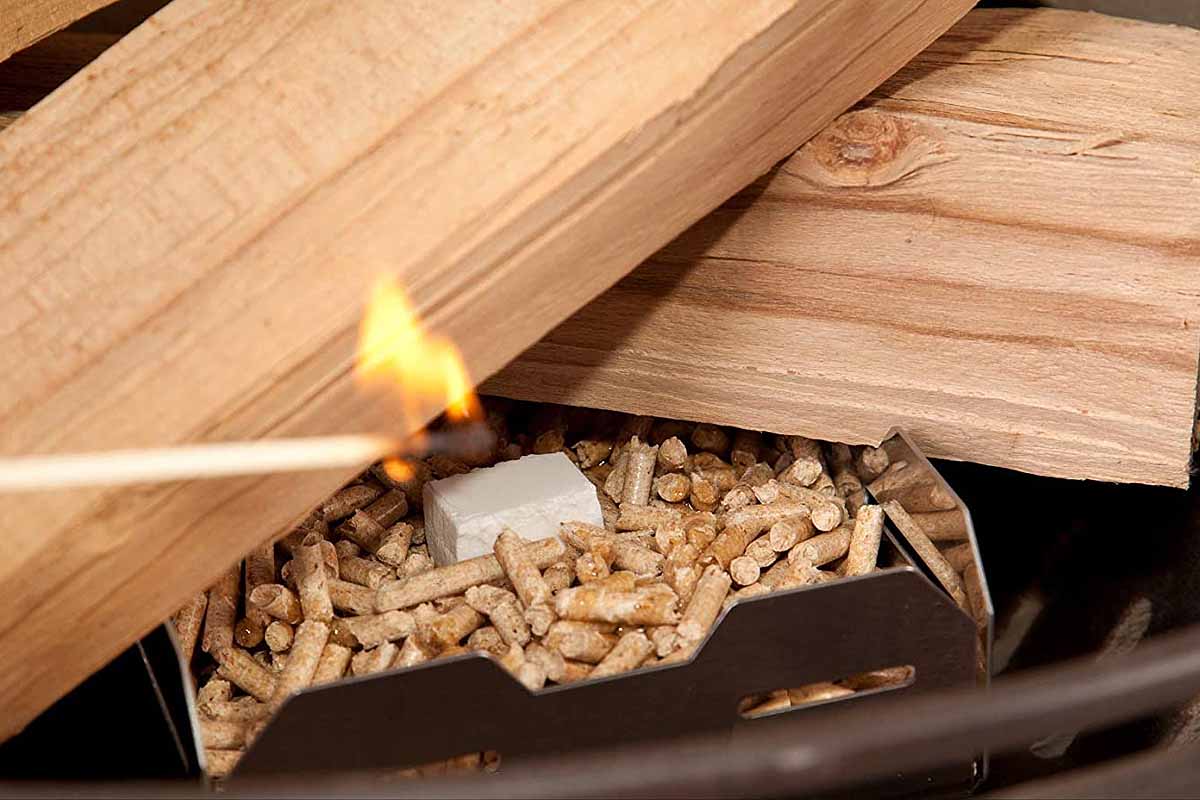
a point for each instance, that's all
(394, 351)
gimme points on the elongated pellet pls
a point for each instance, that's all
(363, 571)
(637, 559)
(558, 576)
(614, 484)
(849, 486)
(411, 654)
(551, 661)
(665, 639)
(278, 602)
(222, 734)
(630, 651)
(871, 462)
(332, 664)
(825, 511)
(188, 622)
(639, 472)
(395, 544)
(700, 529)
(457, 578)
(817, 692)
(598, 604)
(216, 688)
(746, 448)
(312, 584)
(348, 500)
(350, 598)
(682, 577)
(219, 763)
(942, 526)
(450, 628)
(388, 508)
(370, 630)
(705, 605)
(591, 452)
(960, 556)
(704, 496)
(307, 646)
(221, 613)
(238, 667)
(580, 641)
(927, 551)
(526, 579)
(364, 530)
(879, 678)
(260, 569)
(744, 525)
(502, 610)
(375, 659)
(900, 476)
(636, 518)
(243, 709)
(864, 541)
(672, 454)
(487, 640)
(823, 548)
(787, 533)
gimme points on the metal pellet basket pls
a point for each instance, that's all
(895, 616)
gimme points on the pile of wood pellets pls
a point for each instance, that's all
(695, 517)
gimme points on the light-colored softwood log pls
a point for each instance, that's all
(23, 22)
(190, 226)
(999, 255)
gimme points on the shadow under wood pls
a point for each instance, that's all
(119, 18)
(29, 76)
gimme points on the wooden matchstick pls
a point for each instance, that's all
(220, 459)
(187, 462)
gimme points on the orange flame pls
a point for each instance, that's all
(399, 469)
(395, 350)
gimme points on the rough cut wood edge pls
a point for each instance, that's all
(1014, 285)
(190, 225)
(23, 22)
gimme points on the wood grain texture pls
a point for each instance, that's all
(23, 22)
(998, 253)
(189, 228)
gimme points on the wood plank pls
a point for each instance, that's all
(998, 255)
(23, 22)
(190, 227)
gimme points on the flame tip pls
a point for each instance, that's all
(396, 350)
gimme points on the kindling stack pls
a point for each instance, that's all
(318, 148)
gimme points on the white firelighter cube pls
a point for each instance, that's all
(532, 495)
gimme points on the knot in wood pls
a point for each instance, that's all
(867, 148)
